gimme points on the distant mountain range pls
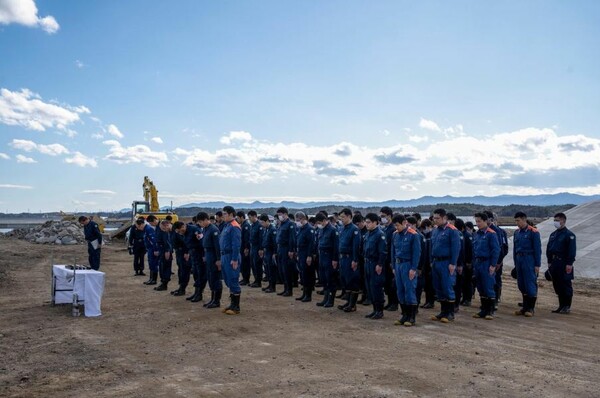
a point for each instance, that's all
(502, 200)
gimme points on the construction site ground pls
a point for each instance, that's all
(151, 344)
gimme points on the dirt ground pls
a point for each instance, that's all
(150, 344)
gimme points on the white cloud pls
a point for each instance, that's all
(79, 64)
(28, 146)
(25, 159)
(24, 12)
(79, 159)
(429, 125)
(26, 109)
(135, 154)
(13, 186)
(418, 138)
(114, 131)
(157, 140)
(99, 192)
(4, 156)
(97, 136)
(235, 136)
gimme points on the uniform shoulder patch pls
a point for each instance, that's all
(312, 231)
(530, 228)
(337, 233)
(355, 232)
(216, 233)
(383, 237)
(452, 227)
(491, 231)
(412, 231)
(572, 237)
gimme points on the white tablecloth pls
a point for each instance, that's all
(88, 284)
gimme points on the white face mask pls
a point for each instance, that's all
(320, 226)
(556, 224)
(281, 218)
(298, 224)
(384, 220)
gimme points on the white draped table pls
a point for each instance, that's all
(87, 284)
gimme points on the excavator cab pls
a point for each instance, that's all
(139, 207)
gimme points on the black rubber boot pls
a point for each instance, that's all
(379, 313)
(343, 306)
(351, 307)
(216, 302)
(483, 309)
(325, 299)
(303, 295)
(342, 294)
(224, 310)
(152, 279)
(162, 286)
(561, 304)
(179, 292)
(198, 296)
(307, 295)
(442, 312)
(530, 307)
(372, 312)
(212, 298)
(331, 300)
(235, 305)
(412, 315)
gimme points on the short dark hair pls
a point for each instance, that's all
(140, 221)
(346, 211)
(372, 217)
(169, 218)
(412, 220)
(320, 217)
(82, 218)
(229, 210)
(386, 210)
(357, 218)
(202, 216)
(417, 216)
(440, 212)
(178, 225)
(426, 223)
(520, 214)
(282, 210)
(357, 213)
(165, 222)
(194, 219)
(451, 216)
(469, 225)
(219, 213)
(324, 213)
(489, 214)
(562, 216)
(482, 215)
(211, 218)
(399, 219)
(151, 218)
(240, 214)
(263, 217)
(312, 219)
(459, 224)
(252, 213)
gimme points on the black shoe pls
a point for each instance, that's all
(282, 293)
(243, 282)
(216, 303)
(270, 290)
(307, 296)
(405, 315)
(198, 296)
(427, 306)
(351, 305)
(141, 273)
(371, 314)
(287, 294)
(301, 297)
(321, 292)
(367, 302)
(325, 300)
(179, 292)
(212, 298)
(330, 301)
(161, 287)
(256, 284)
(391, 307)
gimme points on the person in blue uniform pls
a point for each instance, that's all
(328, 247)
(349, 240)
(445, 249)
(359, 221)
(255, 240)
(151, 248)
(246, 260)
(184, 266)
(230, 242)
(486, 251)
(165, 248)
(212, 259)
(219, 220)
(426, 227)
(93, 236)
(268, 252)
(388, 229)
(375, 252)
(503, 241)
(466, 285)
(560, 253)
(305, 247)
(527, 255)
(192, 236)
(286, 247)
(136, 246)
(406, 253)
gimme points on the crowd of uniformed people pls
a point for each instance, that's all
(386, 260)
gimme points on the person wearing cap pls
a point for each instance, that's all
(305, 241)
(286, 247)
(527, 255)
(406, 253)
(255, 240)
(486, 250)
(560, 253)
(445, 249)
(93, 236)
(230, 242)
(349, 240)
(328, 259)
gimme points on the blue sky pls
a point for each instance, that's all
(304, 100)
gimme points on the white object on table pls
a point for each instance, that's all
(87, 284)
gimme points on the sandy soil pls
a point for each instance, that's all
(150, 344)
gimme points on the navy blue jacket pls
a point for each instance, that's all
(210, 241)
(375, 249)
(269, 240)
(136, 238)
(245, 235)
(286, 236)
(350, 241)
(255, 235)
(329, 242)
(445, 243)
(406, 247)
(305, 239)
(92, 232)
(163, 240)
(486, 247)
(563, 244)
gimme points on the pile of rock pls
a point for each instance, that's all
(52, 232)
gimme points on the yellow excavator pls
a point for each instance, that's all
(143, 208)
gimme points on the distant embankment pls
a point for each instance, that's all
(15, 225)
